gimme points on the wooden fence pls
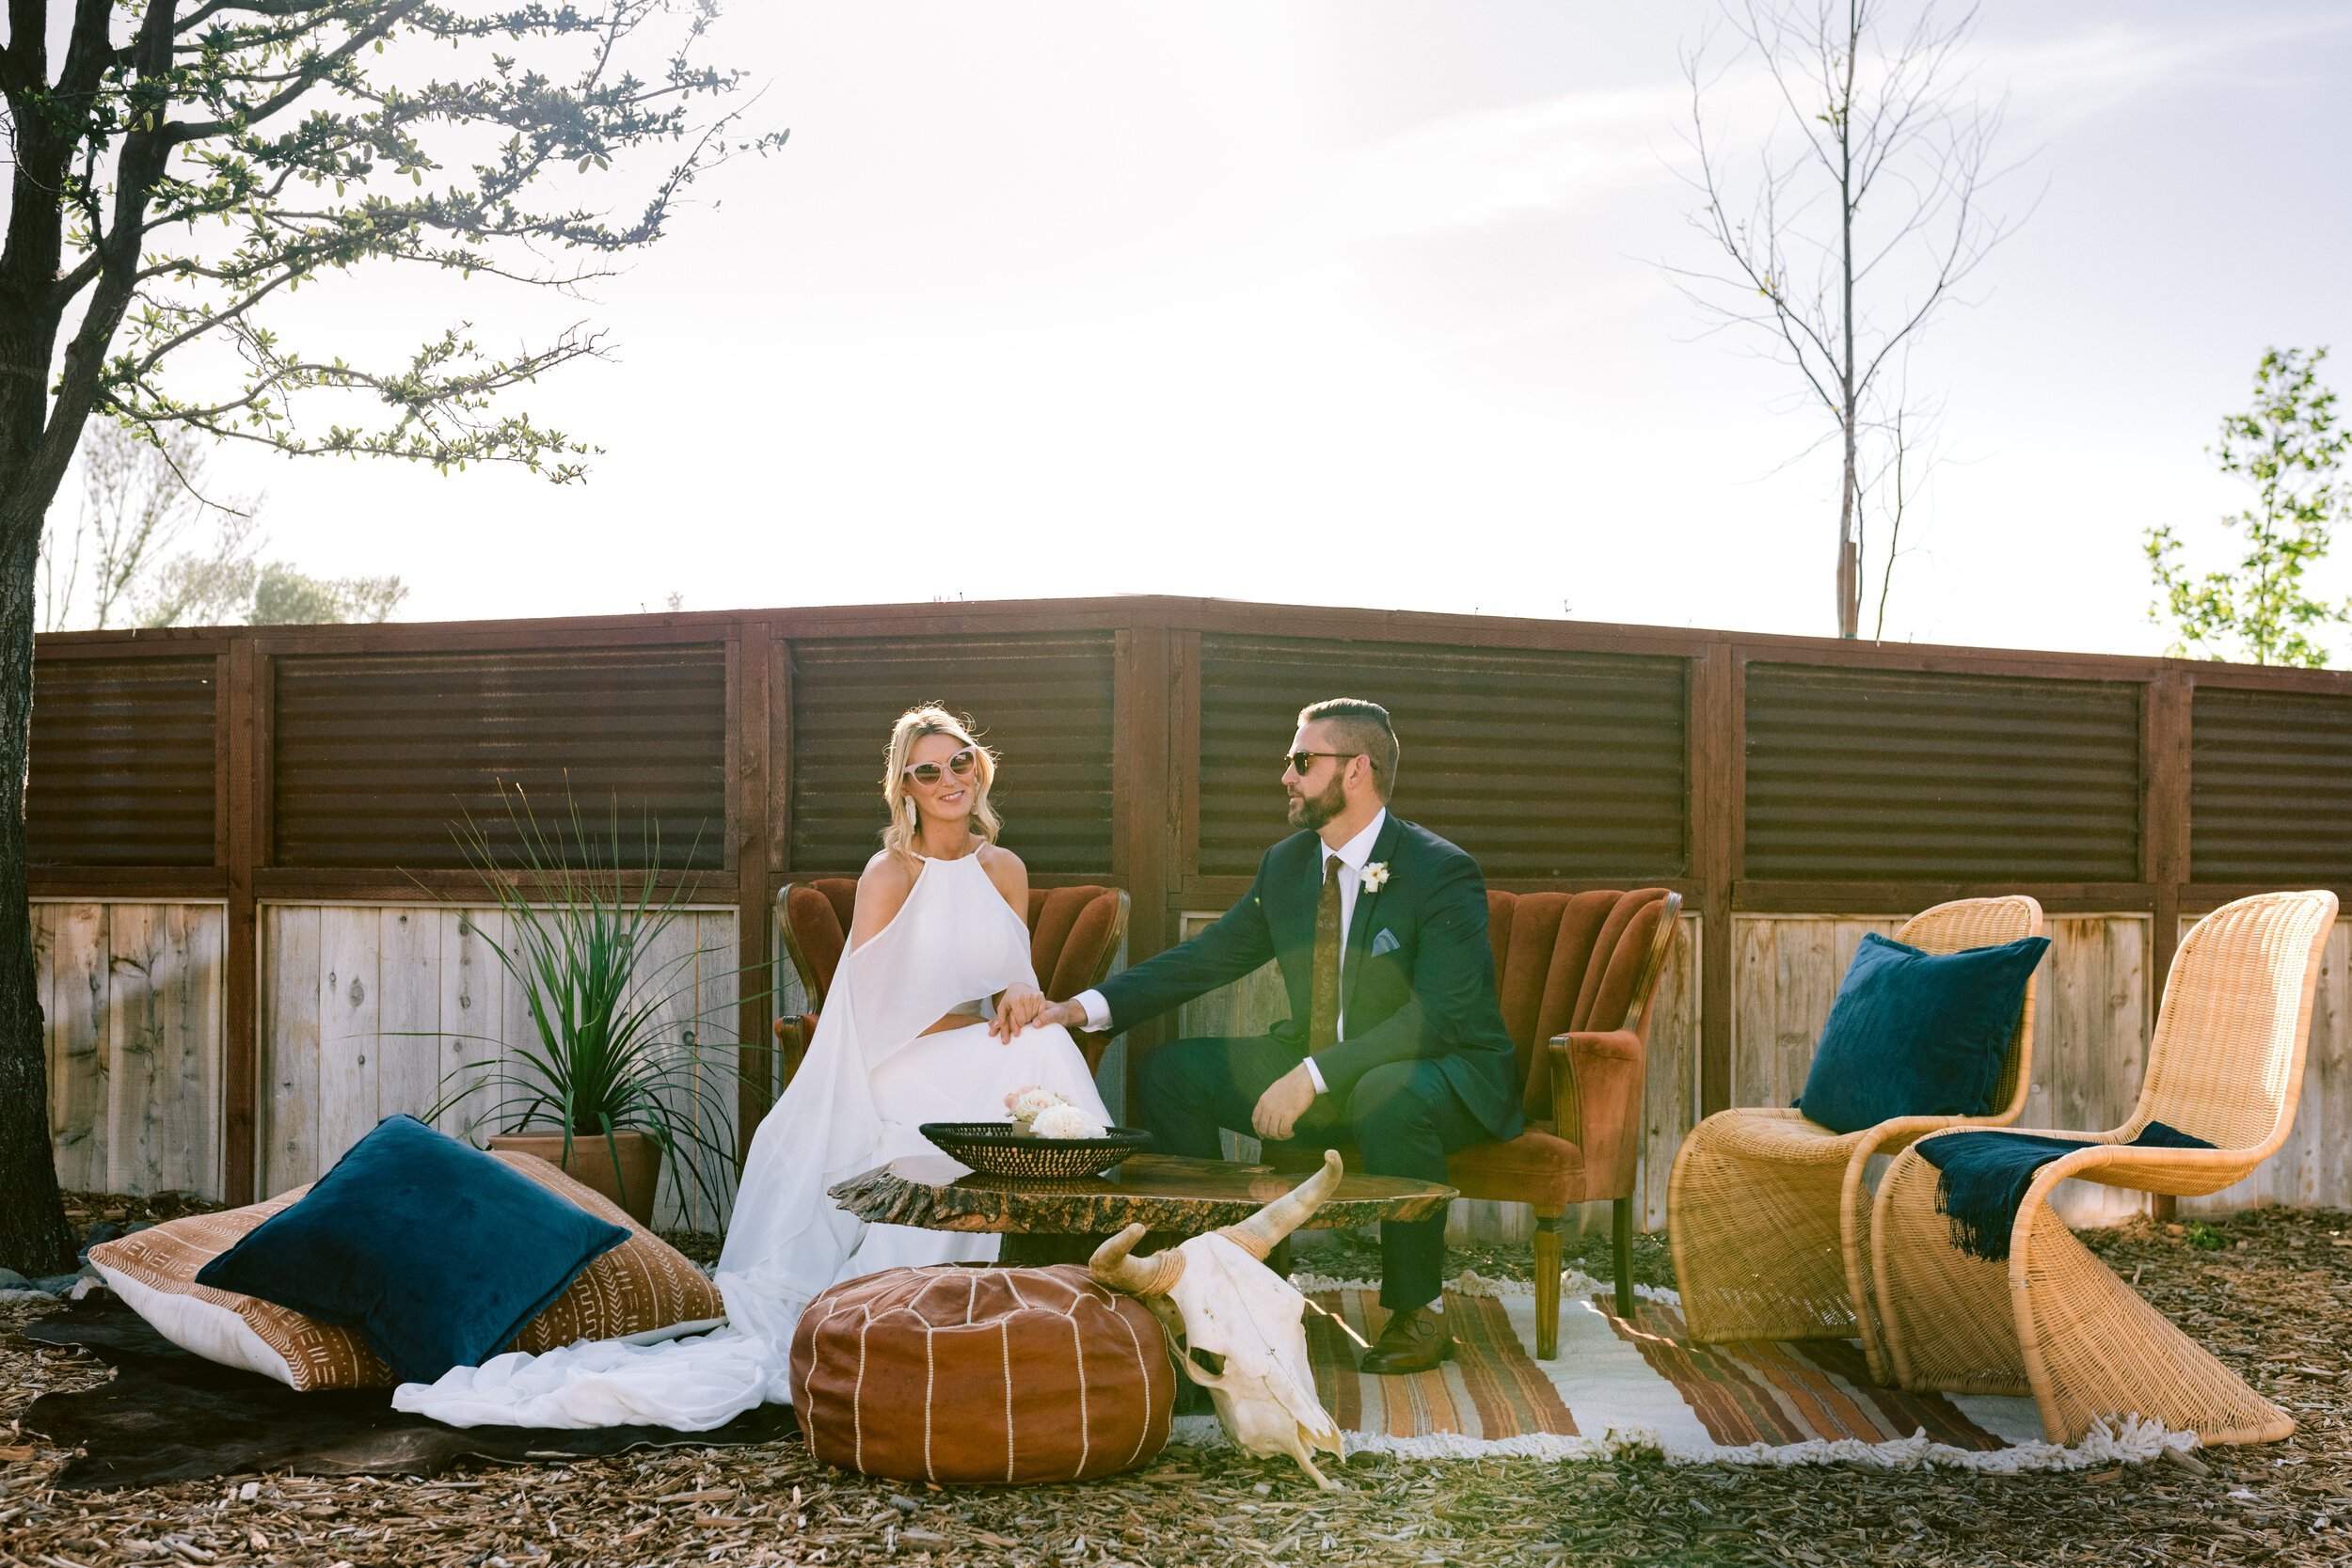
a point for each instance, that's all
(248, 898)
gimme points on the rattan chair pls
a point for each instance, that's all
(1769, 1213)
(1074, 934)
(2226, 1065)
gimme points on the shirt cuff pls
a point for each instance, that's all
(1316, 1073)
(1097, 1010)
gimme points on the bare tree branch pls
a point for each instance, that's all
(1863, 219)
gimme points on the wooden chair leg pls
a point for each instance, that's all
(1621, 1249)
(1550, 1220)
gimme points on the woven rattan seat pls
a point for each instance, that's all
(2225, 1065)
(1769, 1213)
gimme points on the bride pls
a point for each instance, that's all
(940, 934)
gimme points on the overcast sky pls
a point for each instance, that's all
(1362, 304)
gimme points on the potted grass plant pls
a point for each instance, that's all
(608, 1086)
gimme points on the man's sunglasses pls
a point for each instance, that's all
(1299, 762)
(961, 765)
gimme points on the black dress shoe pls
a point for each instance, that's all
(1413, 1342)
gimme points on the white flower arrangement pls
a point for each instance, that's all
(1065, 1121)
(1043, 1113)
(1024, 1104)
(1375, 876)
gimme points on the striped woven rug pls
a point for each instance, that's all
(1641, 1381)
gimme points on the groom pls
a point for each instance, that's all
(1395, 1042)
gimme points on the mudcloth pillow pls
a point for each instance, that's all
(1915, 1033)
(436, 1253)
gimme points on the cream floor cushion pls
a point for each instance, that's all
(641, 1286)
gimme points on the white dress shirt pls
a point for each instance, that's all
(1353, 856)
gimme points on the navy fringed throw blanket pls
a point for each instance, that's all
(1985, 1176)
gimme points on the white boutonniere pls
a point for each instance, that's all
(1375, 876)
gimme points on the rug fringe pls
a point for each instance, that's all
(1574, 1284)
(2131, 1441)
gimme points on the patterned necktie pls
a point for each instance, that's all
(1322, 1015)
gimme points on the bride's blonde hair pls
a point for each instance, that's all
(913, 726)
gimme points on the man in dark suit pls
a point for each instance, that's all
(1395, 1042)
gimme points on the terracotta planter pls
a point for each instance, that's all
(591, 1165)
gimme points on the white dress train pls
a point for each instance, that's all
(869, 1079)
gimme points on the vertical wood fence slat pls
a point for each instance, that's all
(408, 992)
(349, 1014)
(290, 940)
(472, 1012)
(77, 1060)
(192, 1030)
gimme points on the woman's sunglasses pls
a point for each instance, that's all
(961, 765)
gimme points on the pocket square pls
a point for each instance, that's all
(1385, 941)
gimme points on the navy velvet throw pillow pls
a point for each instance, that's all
(436, 1253)
(1914, 1034)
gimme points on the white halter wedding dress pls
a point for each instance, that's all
(869, 1079)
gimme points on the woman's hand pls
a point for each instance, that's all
(1016, 1010)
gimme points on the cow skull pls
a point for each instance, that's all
(1238, 1325)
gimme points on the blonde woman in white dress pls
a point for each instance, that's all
(930, 1016)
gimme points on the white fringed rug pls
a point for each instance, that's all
(1642, 1384)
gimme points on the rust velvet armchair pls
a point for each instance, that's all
(1577, 976)
(1074, 933)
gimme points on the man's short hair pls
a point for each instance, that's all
(1363, 727)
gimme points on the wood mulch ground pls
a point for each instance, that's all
(2270, 1291)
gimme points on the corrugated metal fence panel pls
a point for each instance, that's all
(1869, 775)
(122, 762)
(2270, 788)
(1540, 764)
(378, 753)
(1043, 704)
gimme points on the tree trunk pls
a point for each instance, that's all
(34, 1236)
(1849, 551)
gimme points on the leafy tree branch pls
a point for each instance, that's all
(2289, 445)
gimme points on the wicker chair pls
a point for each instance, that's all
(1577, 975)
(2226, 1065)
(1074, 933)
(1769, 1213)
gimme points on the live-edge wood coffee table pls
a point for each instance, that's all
(1062, 1222)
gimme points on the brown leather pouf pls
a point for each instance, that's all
(981, 1374)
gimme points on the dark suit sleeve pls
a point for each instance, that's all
(1239, 942)
(1452, 1006)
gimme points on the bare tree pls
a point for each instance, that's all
(1854, 221)
(140, 489)
(141, 492)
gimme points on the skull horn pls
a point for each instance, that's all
(1112, 1266)
(1262, 1231)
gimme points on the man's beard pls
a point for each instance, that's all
(1312, 811)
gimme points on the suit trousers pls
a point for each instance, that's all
(1404, 1118)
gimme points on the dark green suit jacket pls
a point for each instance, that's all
(1418, 980)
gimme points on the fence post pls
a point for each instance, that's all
(1717, 759)
(751, 746)
(2164, 771)
(240, 762)
(1143, 773)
